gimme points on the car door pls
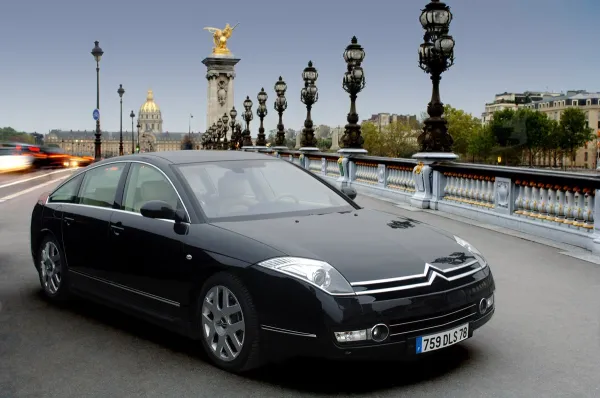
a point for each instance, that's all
(52, 216)
(149, 264)
(85, 225)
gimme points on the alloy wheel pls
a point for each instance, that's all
(223, 323)
(50, 268)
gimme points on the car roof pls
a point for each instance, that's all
(191, 156)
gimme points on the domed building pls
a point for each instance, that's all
(149, 116)
(149, 138)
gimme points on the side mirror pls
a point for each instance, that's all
(349, 192)
(160, 209)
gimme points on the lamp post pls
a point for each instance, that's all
(138, 136)
(233, 114)
(97, 53)
(225, 130)
(215, 136)
(238, 135)
(353, 83)
(121, 91)
(280, 106)
(309, 95)
(132, 115)
(436, 55)
(219, 133)
(261, 112)
(246, 136)
(190, 126)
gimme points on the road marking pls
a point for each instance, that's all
(16, 194)
(33, 178)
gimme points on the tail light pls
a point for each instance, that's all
(43, 198)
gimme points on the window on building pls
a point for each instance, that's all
(585, 156)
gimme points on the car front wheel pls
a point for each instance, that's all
(229, 324)
(52, 270)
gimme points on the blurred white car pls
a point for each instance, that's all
(11, 162)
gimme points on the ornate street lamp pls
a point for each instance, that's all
(219, 133)
(436, 55)
(215, 136)
(353, 83)
(261, 112)
(246, 136)
(132, 115)
(97, 53)
(280, 106)
(138, 136)
(309, 95)
(225, 119)
(121, 91)
(233, 114)
(238, 134)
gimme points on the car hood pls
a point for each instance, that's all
(362, 245)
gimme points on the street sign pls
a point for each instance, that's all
(96, 114)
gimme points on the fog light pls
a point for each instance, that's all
(347, 337)
(485, 304)
(379, 333)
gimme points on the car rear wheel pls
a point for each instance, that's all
(52, 270)
(229, 324)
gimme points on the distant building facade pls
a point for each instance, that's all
(589, 103)
(513, 101)
(150, 135)
(382, 120)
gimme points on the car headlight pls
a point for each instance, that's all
(318, 273)
(471, 249)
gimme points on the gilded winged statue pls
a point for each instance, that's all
(220, 38)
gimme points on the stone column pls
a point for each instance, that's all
(423, 176)
(335, 139)
(220, 73)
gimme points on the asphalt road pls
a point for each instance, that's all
(544, 340)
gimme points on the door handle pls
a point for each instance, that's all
(116, 228)
(68, 220)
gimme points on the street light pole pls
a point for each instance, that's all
(234, 137)
(261, 112)
(121, 91)
(309, 95)
(246, 135)
(436, 55)
(353, 83)
(132, 115)
(97, 53)
(190, 126)
(138, 135)
(280, 106)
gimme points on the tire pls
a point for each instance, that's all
(52, 270)
(217, 336)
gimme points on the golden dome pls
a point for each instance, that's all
(150, 106)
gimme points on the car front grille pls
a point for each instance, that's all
(401, 330)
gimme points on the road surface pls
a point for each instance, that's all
(544, 340)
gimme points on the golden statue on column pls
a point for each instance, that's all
(220, 38)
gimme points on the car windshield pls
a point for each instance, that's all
(254, 189)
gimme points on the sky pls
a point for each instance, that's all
(48, 76)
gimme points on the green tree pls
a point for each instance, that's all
(574, 131)
(531, 131)
(481, 145)
(10, 134)
(552, 144)
(461, 126)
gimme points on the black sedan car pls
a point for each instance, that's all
(257, 258)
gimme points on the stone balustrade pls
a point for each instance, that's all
(555, 205)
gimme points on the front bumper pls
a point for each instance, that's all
(406, 318)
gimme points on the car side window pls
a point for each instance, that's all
(100, 185)
(68, 192)
(146, 183)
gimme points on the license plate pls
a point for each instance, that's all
(444, 339)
